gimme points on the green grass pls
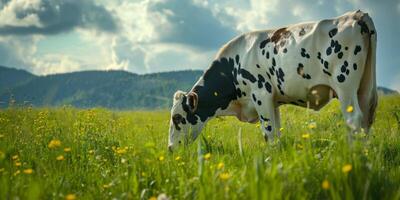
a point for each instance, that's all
(123, 155)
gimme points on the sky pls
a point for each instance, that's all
(145, 36)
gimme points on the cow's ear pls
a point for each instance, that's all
(178, 95)
(192, 101)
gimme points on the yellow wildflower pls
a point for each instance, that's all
(306, 136)
(347, 168)
(224, 176)
(350, 109)
(15, 157)
(325, 185)
(281, 129)
(67, 149)
(91, 151)
(312, 125)
(28, 171)
(70, 197)
(161, 158)
(54, 144)
(178, 158)
(60, 158)
(17, 164)
(153, 198)
(105, 186)
(120, 150)
(220, 165)
(207, 156)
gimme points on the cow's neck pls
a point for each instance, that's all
(215, 89)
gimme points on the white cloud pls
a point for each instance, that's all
(8, 14)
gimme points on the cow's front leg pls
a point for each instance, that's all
(266, 113)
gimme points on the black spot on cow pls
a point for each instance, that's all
(265, 42)
(244, 93)
(237, 59)
(319, 55)
(326, 72)
(269, 76)
(282, 93)
(302, 32)
(268, 87)
(357, 49)
(264, 118)
(244, 82)
(347, 72)
(267, 55)
(346, 48)
(285, 50)
(254, 97)
(273, 62)
(216, 79)
(343, 69)
(346, 63)
(326, 64)
(338, 47)
(364, 27)
(328, 51)
(333, 32)
(247, 75)
(275, 50)
(268, 128)
(340, 55)
(300, 69)
(355, 66)
(261, 81)
(238, 92)
(271, 71)
(263, 52)
(306, 76)
(341, 78)
(258, 66)
(294, 103)
(304, 53)
(259, 102)
(332, 43)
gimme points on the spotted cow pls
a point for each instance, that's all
(305, 64)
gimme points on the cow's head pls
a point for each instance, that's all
(184, 126)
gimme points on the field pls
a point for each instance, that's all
(68, 153)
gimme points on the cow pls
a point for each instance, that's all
(305, 64)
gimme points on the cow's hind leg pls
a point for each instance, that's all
(351, 109)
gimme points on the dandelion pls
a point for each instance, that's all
(60, 158)
(306, 136)
(28, 171)
(161, 158)
(153, 198)
(281, 129)
(91, 151)
(350, 109)
(15, 157)
(17, 164)
(105, 186)
(207, 156)
(70, 197)
(325, 185)
(54, 144)
(121, 151)
(312, 125)
(347, 168)
(220, 165)
(224, 176)
(67, 149)
(178, 158)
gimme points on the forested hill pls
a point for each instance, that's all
(110, 89)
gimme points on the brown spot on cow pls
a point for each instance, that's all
(280, 34)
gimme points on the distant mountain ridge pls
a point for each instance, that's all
(114, 89)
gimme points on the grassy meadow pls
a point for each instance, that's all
(69, 153)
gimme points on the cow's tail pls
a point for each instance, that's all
(367, 93)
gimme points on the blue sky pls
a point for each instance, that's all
(144, 36)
